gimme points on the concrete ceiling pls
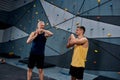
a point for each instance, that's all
(9, 5)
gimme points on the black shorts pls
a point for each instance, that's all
(36, 60)
(77, 72)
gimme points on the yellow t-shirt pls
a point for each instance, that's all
(79, 56)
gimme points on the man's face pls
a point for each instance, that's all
(41, 26)
(78, 31)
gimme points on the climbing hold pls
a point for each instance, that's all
(109, 35)
(96, 51)
(94, 62)
(77, 23)
(65, 9)
(34, 5)
(36, 12)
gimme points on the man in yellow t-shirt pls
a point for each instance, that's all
(80, 52)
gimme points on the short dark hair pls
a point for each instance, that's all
(82, 27)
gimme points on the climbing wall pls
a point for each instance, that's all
(24, 21)
(62, 18)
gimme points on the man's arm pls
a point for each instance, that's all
(69, 44)
(78, 41)
(47, 33)
(32, 36)
(74, 41)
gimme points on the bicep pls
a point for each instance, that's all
(31, 35)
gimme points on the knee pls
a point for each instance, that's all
(40, 70)
(29, 70)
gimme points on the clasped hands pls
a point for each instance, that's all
(39, 31)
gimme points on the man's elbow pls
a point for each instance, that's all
(67, 46)
(27, 42)
(51, 34)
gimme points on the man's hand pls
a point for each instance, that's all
(39, 31)
(70, 41)
(72, 36)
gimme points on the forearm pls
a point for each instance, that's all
(70, 41)
(48, 33)
(69, 44)
(29, 40)
(31, 37)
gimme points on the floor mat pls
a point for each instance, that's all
(7, 55)
(10, 72)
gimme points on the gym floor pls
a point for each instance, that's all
(58, 73)
(52, 72)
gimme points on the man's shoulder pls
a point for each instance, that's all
(84, 39)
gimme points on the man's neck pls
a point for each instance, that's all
(80, 36)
